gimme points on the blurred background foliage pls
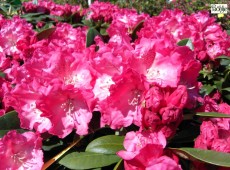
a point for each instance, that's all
(154, 7)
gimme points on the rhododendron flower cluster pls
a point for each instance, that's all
(209, 39)
(21, 151)
(145, 150)
(136, 75)
(214, 132)
(163, 109)
(50, 7)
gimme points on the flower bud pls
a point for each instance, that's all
(179, 97)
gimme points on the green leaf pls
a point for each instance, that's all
(103, 31)
(3, 75)
(212, 114)
(218, 84)
(45, 33)
(30, 15)
(227, 89)
(50, 147)
(223, 57)
(225, 62)
(186, 42)
(109, 144)
(88, 23)
(91, 34)
(9, 121)
(87, 160)
(15, 2)
(207, 156)
(207, 89)
(228, 32)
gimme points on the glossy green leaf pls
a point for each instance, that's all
(4, 9)
(225, 62)
(3, 75)
(207, 89)
(31, 15)
(186, 42)
(223, 57)
(88, 23)
(207, 156)
(9, 121)
(87, 160)
(109, 144)
(103, 31)
(15, 2)
(46, 147)
(45, 33)
(227, 89)
(91, 34)
(227, 96)
(228, 32)
(212, 114)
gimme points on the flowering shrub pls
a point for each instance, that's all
(21, 151)
(73, 74)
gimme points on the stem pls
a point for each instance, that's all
(55, 158)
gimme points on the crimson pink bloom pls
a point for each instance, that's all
(179, 97)
(144, 150)
(12, 34)
(112, 57)
(215, 132)
(125, 21)
(50, 7)
(67, 109)
(162, 108)
(65, 35)
(101, 11)
(121, 107)
(165, 64)
(21, 151)
(154, 98)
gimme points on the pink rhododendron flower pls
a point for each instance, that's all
(67, 109)
(162, 109)
(112, 58)
(50, 7)
(120, 108)
(215, 132)
(178, 98)
(101, 11)
(71, 38)
(12, 34)
(21, 151)
(208, 37)
(102, 86)
(144, 150)
(124, 21)
(154, 98)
